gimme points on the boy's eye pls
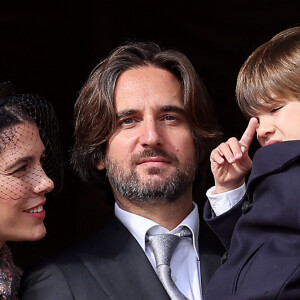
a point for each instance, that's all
(274, 109)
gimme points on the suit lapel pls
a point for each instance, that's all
(273, 157)
(210, 250)
(121, 267)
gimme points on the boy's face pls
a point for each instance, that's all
(279, 123)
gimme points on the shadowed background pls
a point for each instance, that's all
(50, 47)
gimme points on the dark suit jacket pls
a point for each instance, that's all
(111, 265)
(264, 256)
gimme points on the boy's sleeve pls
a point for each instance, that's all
(223, 224)
(221, 203)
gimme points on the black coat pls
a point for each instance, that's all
(263, 260)
(111, 265)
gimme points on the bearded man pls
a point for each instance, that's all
(143, 122)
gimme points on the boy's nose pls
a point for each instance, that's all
(264, 129)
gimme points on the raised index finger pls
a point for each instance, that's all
(248, 135)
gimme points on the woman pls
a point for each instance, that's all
(29, 156)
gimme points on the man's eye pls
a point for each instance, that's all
(127, 121)
(170, 118)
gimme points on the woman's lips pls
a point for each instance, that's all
(37, 211)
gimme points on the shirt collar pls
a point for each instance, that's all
(131, 220)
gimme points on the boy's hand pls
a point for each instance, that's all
(230, 161)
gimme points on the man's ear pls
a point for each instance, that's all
(100, 165)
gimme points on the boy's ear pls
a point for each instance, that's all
(100, 165)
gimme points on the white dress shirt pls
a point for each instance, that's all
(221, 203)
(185, 262)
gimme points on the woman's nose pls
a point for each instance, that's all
(42, 184)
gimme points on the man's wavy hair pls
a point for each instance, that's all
(95, 118)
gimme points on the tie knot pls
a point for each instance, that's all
(163, 246)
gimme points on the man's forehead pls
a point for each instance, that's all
(131, 76)
(146, 87)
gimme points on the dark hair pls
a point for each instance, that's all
(271, 73)
(11, 112)
(22, 108)
(94, 109)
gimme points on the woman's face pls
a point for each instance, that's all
(23, 184)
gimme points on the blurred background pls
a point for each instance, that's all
(50, 47)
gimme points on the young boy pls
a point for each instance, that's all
(262, 231)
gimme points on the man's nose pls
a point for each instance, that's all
(151, 134)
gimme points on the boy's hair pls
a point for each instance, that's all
(271, 73)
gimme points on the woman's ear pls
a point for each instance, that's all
(100, 165)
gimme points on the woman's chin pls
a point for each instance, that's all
(37, 234)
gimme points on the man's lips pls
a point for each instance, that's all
(158, 159)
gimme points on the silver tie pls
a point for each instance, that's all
(163, 246)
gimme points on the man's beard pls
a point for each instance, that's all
(127, 183)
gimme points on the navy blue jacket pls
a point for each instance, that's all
(263, 260)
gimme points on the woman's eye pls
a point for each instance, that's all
(43, 157)
(21, 169)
